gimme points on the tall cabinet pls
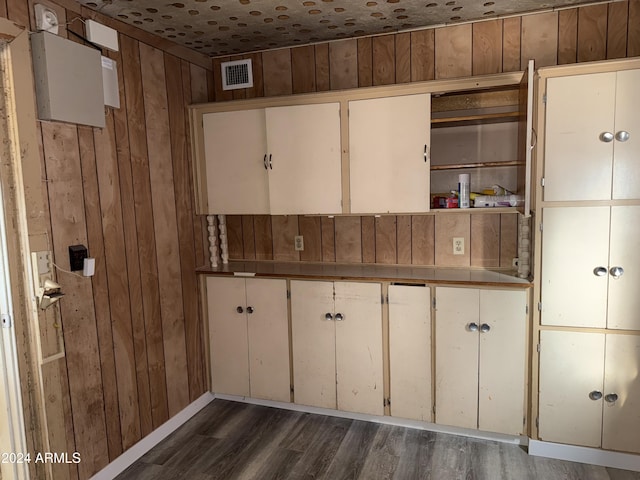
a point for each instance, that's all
(587, 261)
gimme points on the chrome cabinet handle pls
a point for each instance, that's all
(339, 317)
(328, 316)
(239, 309)
(264, 161)
(473, 327)
(270, 165)
(600, 271)
(425, 152)
(606, 137)
(616, 272)
(595, 395)
(622, 136)
(484, 328)
(249, 310)
(611, 397)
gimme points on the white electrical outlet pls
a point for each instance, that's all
(458, 245)
(298, 243)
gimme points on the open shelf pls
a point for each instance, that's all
(460, 166)
(478, 119)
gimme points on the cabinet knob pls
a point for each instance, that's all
(616, 272)
(595, 395)
(600, 271)
(473, 327)
(239, 309)
(249, 310)
(328, 316)
(484, 328)
(339, 317)
(622, 136)
(606, 137)
(611, 397)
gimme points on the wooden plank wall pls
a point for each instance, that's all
(133, 332)
(596, 32)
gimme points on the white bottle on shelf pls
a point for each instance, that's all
(463, 190)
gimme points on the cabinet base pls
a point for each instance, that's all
(594, 456)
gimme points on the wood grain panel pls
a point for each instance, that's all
(487, 47)
(18, 12)
(100, 285)
(592, 33)
(343, 64)
(3, 9)
(540, 39)
(567, 36)
(384, 63)
(276, 68)
(220, 94)
(423, 61)
(303, 68)
(311, 231)
(328, 239)
(199, 93)
(633, 40)
(618, 16)
(264, 238)
(322, 67)
(485, 240)
(148, 260)
(453, 51)
(423, 240)
(404, 239)
(348, 239)
(365, 62)
(182, 180)
(508, 239)
(386, 246)
(258, 80)
(165, 225)
(511, 35)
(235, 242)
(446, 228)
(368, 240)
(248, 238)
(284, 228)
(61, 149)
(403, 57)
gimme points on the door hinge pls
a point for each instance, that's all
(288, 293)
(540, 226)
(539, 306)
(544, 98)
(538, 348)
(386, 402)
(434, 409)
(542, 182)
(434, 302)
(537, 422)
(526, 309)
(6, 321)
(291, 388)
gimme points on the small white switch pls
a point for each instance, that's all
(458, 245)
(298, 242)
(89, 267)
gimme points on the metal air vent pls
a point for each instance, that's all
(237, 74)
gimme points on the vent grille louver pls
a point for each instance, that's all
(237, 74)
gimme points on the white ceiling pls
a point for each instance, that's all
(230, 27)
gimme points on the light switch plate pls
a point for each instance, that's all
(298, 243)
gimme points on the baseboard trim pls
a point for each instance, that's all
(134, 453)
(387, 420)
(593, 456)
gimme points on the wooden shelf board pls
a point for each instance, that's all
(460, 166)
(474, 119)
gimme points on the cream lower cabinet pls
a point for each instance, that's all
(590, 389)
(410, 352)
(249, 337)
(337, 345)
(480, 359)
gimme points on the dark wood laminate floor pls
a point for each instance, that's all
(230, 440)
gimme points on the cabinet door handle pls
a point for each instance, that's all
(270, 164)
(611, 397)
(473, 327)
(595, 395)
(616, 272)
(426, 157)
(622, 136)
(249, 310)
(484, 328)
(264, 161)
(600, 271)
(328, 316)
(606, 137)
(239, 309)
(339, 317)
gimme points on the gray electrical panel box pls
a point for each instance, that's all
(68, 79)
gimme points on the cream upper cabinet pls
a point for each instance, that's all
(480, 358)
(389, 140)
(337, 345)
(590, 267)
(410, 352)
(589, 391)
(592, 137)
(235, 145)
(249, 337)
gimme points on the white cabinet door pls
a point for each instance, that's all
(575, 257)
(359, 347)
(626, 167)
(268, 338)
(388, 154)
(571, 387)
(228, 336)
(313, 340)
(305, 160)
(410, 352)
(235, 145)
